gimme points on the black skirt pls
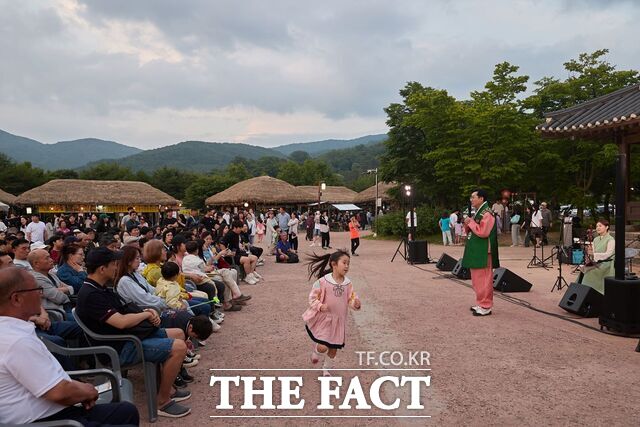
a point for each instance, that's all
(336, 346)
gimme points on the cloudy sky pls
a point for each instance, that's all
(153, 73)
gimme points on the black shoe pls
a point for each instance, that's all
(179, 382)
(185, 376)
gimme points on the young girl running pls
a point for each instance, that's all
(331, 295)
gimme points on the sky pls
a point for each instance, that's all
(153, 73)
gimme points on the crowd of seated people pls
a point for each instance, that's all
(171, 285)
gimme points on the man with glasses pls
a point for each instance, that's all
(481, 252)
(34, 385)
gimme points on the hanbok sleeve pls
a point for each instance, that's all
(605, 256)
(483, 229)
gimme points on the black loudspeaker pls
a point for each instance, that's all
(507, 281)
(621, 307)
(582, 300)
(418, 251)
(446, 263)
(461, 272)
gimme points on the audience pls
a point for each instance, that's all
(35, 387)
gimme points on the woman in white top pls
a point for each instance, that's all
(536, 226)
(293, 231)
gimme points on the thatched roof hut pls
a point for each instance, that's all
(369, 195)
(74, 195)
(7, 198)
(262, 190)
(332, 194)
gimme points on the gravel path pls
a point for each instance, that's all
(516, 367)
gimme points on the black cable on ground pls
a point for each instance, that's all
(526, 304)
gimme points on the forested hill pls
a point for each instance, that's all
(320, 147)
(61, 155)
(194, 156)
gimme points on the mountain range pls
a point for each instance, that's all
(190, 155)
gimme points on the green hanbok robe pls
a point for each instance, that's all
(603, 256)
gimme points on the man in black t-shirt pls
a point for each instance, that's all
(103, 311)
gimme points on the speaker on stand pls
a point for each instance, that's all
(418, 252)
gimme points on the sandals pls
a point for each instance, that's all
(173, 410)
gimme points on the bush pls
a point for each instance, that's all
(392, 224)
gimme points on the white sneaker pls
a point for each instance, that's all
(255, 276)
(259, 276)
(482, 311)
(216, 327)
(474, 308)
(248, 279)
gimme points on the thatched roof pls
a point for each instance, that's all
(7, 198)
(262, 190)
(369, 195)
(78, 191)
(332, 194)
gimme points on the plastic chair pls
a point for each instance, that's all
(150, 369)
(121, 388)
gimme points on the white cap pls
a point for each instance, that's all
(38, 245)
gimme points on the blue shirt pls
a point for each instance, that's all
(283, 221)
(445, 224)
(283, 246)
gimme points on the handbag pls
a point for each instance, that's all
(310, 312)
(142, 330)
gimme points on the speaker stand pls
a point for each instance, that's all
(537, 261)
(560, 282)
(402, 252)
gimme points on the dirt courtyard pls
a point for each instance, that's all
(515, 367)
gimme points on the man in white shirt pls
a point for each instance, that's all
(453, 219)
(36, 230)
(34, 385)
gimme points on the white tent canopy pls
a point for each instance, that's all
(346, 207)
(4, 207)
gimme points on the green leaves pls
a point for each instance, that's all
(446, 147)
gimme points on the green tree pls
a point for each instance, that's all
(299, 156)
(204, 186)
(172, 181)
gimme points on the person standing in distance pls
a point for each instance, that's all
(481, 252)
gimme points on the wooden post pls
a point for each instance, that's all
(621, 203)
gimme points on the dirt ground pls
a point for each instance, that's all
(515, 367)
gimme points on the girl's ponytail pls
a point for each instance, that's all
(320, 265)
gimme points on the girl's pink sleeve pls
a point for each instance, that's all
(484, 228)
(315, 296)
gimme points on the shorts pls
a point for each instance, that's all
(156, 349)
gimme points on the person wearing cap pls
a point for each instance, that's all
(103, 311)
(35, 387)
(36, 230)
(547, 220)
(132, 241)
